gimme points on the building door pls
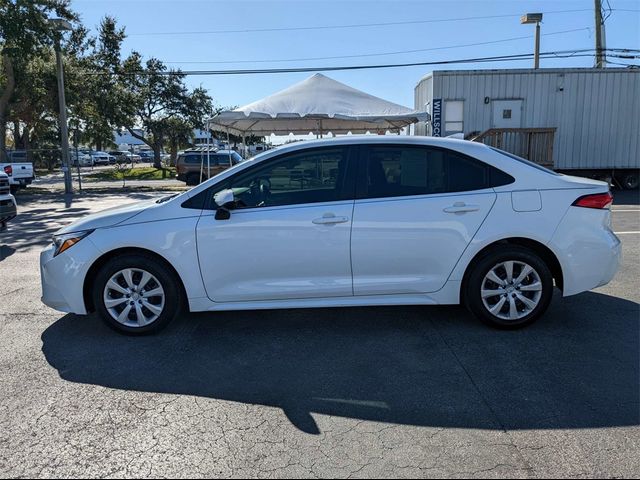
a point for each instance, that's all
(507, 114)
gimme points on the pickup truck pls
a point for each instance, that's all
(20, 173)
(7, 202)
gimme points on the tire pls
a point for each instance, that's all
(531, 296)
(193, 179)
(629, 181)
(157, 311)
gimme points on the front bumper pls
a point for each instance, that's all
(62, 277)
(8, 208)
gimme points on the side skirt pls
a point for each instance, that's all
(448, 295)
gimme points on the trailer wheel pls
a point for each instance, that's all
(630, 181)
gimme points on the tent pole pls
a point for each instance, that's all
(320, 128)
(229, 146)
(244, 145)
(208, 154)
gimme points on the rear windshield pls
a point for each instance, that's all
(525, 161)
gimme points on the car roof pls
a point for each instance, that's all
(465, 146)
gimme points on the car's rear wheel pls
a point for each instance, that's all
(193, 179)
(136, 294)
(509, 288)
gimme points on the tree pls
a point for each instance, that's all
(24, 33)
(158, 100)
(102, 99)
(179, 132)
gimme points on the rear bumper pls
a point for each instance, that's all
(589, 252)
(22, 182)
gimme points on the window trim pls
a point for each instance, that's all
(350, 178)
(363, 165)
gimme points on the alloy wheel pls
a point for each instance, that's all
(511, 290)
(134, 297)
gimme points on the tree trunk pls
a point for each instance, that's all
(174, 152)
(99, 144)
(9, 87)
(17, 138)
(26, 143)
(157, 162)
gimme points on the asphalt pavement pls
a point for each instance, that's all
(349, 392)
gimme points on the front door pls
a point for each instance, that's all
(415, 215)
(507, 114)
(289, 236)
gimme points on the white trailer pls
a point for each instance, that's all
(584, 121)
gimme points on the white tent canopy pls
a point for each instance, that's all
(316, 105)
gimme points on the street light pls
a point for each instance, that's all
(59, 25)
(534, 18)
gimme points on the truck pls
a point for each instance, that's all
(8, 208)
(19, 172)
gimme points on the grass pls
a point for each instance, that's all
(137, 173)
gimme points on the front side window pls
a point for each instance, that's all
(311, 176)
(397, 171)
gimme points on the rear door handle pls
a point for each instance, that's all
(330, 219)
(461, 207)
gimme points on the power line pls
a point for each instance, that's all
(500, 58)
(525, 37)
(358, 25)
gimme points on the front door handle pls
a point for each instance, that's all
(330, 219)
(461, 207)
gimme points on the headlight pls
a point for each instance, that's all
(68, 240)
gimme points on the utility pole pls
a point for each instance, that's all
(534, 18)
(59, 25)
(600, 54)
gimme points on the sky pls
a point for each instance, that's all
(172, 32)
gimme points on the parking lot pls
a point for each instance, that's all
(358, 392)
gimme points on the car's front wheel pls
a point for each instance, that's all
(136, 294)
(509, 288)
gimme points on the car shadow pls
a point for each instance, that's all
(626, 198)
(578, 367)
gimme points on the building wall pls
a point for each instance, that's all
(596, 111)
(423, 94)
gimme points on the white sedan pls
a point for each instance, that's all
(345, 222)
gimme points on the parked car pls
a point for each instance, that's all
(8, 207)
(125, 156)
(19, 171)
(100, 158)
(190, 163)
(82, 158)
(351, 221)
(146, 155)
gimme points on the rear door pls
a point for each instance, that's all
(417, 210)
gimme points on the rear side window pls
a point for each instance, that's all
(525, 161)
(396, 171)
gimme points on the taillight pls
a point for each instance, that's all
(597, 200)
(8, 170)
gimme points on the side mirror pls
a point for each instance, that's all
(225, 199)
